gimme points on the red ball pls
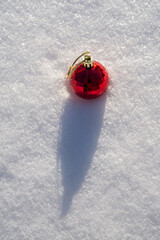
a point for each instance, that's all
(89, 82)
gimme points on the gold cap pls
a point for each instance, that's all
(88, 63)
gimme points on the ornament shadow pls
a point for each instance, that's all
(80, 129)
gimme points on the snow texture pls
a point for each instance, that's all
(70, 168)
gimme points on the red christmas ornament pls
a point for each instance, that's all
(88, 79)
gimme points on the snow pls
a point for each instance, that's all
(73, 168)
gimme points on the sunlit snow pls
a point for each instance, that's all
(70, 168)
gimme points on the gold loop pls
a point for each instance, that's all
(71, 68)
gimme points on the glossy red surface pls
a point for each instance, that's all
(89, 83)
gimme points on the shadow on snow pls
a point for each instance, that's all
(80, 128)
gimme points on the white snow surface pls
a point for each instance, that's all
(72, 168)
